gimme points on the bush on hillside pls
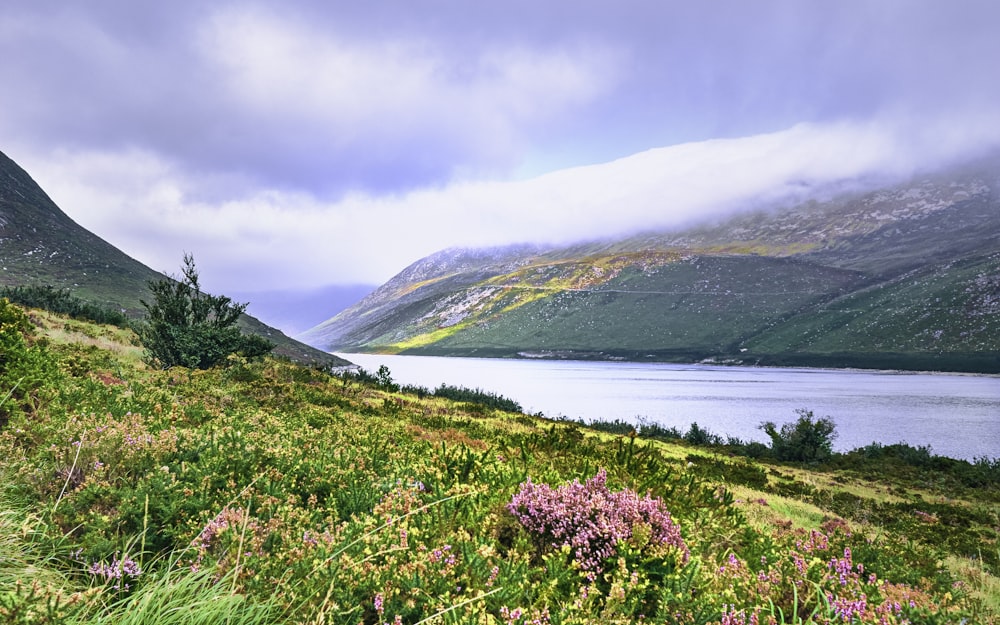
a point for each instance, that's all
(60, 301)
(190, 328)
(477, 396)
(701, 436)
(808, 439)
(593, 521)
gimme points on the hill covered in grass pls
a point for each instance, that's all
(269, 492)
(901, 276)
(41, 247)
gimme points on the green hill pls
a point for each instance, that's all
(903, 276)
(40, 245)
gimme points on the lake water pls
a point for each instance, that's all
(956, 415)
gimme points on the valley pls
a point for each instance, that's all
(904, 277)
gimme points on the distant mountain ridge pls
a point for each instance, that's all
(41, 245)
(906, 276)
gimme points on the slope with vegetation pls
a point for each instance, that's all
(903, 276)
(268, 492)
(46, 257)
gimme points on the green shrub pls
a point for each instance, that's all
(806, 440)
(25, 366)
(60, 301)
(189, 328)
(477, 396)
(700, 436)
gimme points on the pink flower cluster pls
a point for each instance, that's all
(120, 571)
(591, 519)
(731, 617)
(227, 519)
(517, 616)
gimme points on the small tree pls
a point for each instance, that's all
(805, 440)
(383, 379)
(189, 328)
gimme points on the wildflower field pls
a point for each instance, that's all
(267, 492)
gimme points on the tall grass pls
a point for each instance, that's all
(37, 585)
(184, 597)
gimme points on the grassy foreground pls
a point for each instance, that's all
(273, 493)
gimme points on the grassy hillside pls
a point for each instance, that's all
(900, 277)
(943, 314)
(41, 246)
(272, 493)
(669, 304)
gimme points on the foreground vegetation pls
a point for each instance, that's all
(266, 492)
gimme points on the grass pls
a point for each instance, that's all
(766, 510)
(267, 492)
(183, 597)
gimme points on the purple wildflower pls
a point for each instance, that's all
(590, 519)
(119, 571)
(379, 605)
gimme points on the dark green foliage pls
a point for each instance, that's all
(735, 471)
(477, 396)
(643, 429)
(919, 467)
(649, 429)
(700, 436)
(613, 427)
(806, 440)
(60, 301)
(383, 380)
(25, 366)
(189, 328)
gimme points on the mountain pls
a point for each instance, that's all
(903, 276)
(41, 245)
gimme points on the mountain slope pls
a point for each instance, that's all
(904, 276)
(41, 245)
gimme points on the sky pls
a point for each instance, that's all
(304, 143)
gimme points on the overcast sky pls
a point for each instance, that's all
(299, 143)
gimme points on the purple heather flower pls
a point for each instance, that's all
(591, 519)
(118, 571)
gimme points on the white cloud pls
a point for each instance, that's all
(268, 239)
(380, 96)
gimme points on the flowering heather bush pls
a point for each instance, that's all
(124, 446)
(118, 573)
(591, 519)
(234, 524)
(824, 583)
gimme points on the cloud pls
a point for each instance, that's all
(271, 238)
(318, 141)
(358, 110)
(330, 98)
(290, 100)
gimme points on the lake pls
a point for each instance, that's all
(956, 415)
